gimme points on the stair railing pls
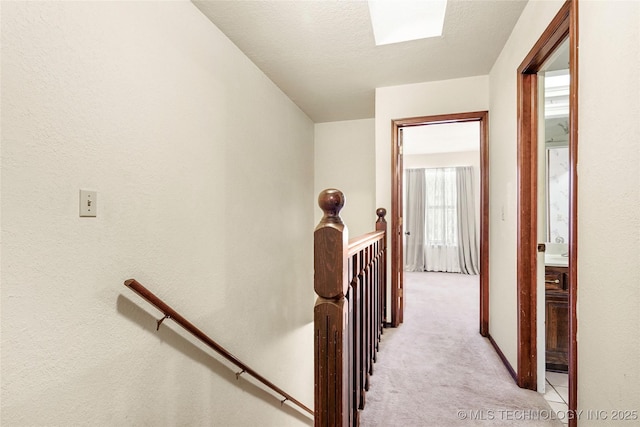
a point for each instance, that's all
(350, 281)
(170, 313)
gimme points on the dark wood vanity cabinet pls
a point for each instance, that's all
(557, 318)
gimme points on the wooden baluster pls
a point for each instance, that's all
(378, 270)
(355, 334)
(374, 303)
(375, 270)
(381, 225)
(365, 325)
(331, 314)
(367, 319)
(362, 295)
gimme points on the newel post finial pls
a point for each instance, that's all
(381, 223)
(331, 201)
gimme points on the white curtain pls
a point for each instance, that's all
(414, 219)
(467, 234)
(440, 217)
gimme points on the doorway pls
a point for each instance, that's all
(562, 28)
(397, 227)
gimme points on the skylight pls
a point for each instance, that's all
(396, 21)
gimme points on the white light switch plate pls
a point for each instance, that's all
(88, 203)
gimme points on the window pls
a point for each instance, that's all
(441, 211)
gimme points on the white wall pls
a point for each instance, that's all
(503, 139)
(344, 159)
(608, 199)
(204, 173)
(609, 208)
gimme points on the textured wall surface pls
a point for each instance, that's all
(204, 174)
(344, 159)
(609, 210)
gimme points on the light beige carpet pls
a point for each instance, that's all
(436, 369)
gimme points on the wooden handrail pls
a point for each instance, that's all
(358, 243)
(170, 313)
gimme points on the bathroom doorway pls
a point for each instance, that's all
(557, 45)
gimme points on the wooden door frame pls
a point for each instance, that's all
(564, 25)
(396, 183)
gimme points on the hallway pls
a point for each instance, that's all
(436, 370)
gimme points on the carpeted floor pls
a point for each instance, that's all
(436, 369)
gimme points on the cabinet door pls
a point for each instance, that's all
(557, 318)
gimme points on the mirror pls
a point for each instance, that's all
(557, 194)
(556, 137)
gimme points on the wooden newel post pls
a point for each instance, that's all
(331, 311)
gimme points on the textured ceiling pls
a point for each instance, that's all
(323, 56)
